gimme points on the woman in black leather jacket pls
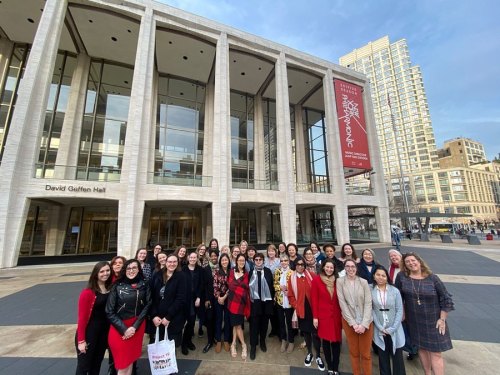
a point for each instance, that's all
(168, 290)
(127, 307)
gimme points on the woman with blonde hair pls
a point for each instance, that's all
(427, 304)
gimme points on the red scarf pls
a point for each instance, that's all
(392, 268)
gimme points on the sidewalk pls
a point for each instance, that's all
(38, 313)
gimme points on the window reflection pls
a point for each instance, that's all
(314, 124)
(179, 131)
(242, 138)
(105, 121)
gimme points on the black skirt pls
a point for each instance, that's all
(306, 324)
(236, 319)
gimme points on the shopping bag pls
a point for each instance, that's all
(161, 355)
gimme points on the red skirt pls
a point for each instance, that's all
(126, 352)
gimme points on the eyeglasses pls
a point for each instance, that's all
(349, 266)
(132, 268)
(284, 260)
(258, 259)
(299, 264)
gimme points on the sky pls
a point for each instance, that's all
(455, 43)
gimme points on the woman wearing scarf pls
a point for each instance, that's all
(311, 265)
(355, 300)
(299, 295)
(395, 258)
(367, 264)
(283, 307)
(326, 313)
(261, 307)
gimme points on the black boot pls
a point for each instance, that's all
(253, 349)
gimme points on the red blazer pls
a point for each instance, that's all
(326, 309)
(85, 306)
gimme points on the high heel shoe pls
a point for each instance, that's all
(233, 351)
(243, 351)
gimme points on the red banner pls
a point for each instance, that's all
(352, 126)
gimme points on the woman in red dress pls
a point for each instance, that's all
(327, 317)
(126, 308)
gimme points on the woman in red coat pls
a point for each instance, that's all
(327, 317)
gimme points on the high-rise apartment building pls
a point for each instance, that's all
(461, 152)
(407, 139)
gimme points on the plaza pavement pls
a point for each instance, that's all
(38, 312)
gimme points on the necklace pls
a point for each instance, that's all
(416, 291)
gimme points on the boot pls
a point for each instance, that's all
(218, 347)
(253, 350)
(284, 344)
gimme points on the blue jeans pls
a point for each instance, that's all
(222, 316)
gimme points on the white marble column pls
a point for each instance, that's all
(67, 154)
(258, 145)
(137, 140)
(335, 166)
(23, 143)
(284, 141)
(301, 158)
(6, 48)
(221, 144)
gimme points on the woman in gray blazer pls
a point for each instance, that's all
(388, 332)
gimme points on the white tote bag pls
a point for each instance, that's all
(161, 355)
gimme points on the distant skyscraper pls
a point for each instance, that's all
(394, 77)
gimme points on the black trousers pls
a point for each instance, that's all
(312, 339)
(188, 333)
(209, 321)
(331, 350)
(258, 329)
(385, 356)
(89, 363)
(285, 324)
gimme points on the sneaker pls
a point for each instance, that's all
(308, 360)
(321, 365)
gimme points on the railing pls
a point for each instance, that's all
(71, 172)
(358, 190)
(179, 179)
(243, 183)
(312, 188)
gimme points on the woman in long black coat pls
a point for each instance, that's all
(261, 307)
(168, 290)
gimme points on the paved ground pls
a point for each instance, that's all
(38, 312)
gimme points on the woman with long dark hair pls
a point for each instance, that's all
(221, 311)
(116, 265)
(327, 318)
(92, 329)
(127, 307)
(388, 332)
(238, 303)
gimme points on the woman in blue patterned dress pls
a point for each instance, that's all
(427, 304)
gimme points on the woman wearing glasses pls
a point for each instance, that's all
(261, 306)
(169, 298)
(127, 307)
(355, 300)
(299, 295)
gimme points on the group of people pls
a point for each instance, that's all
(310, 297)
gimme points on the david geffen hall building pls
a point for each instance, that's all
(128, 123)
